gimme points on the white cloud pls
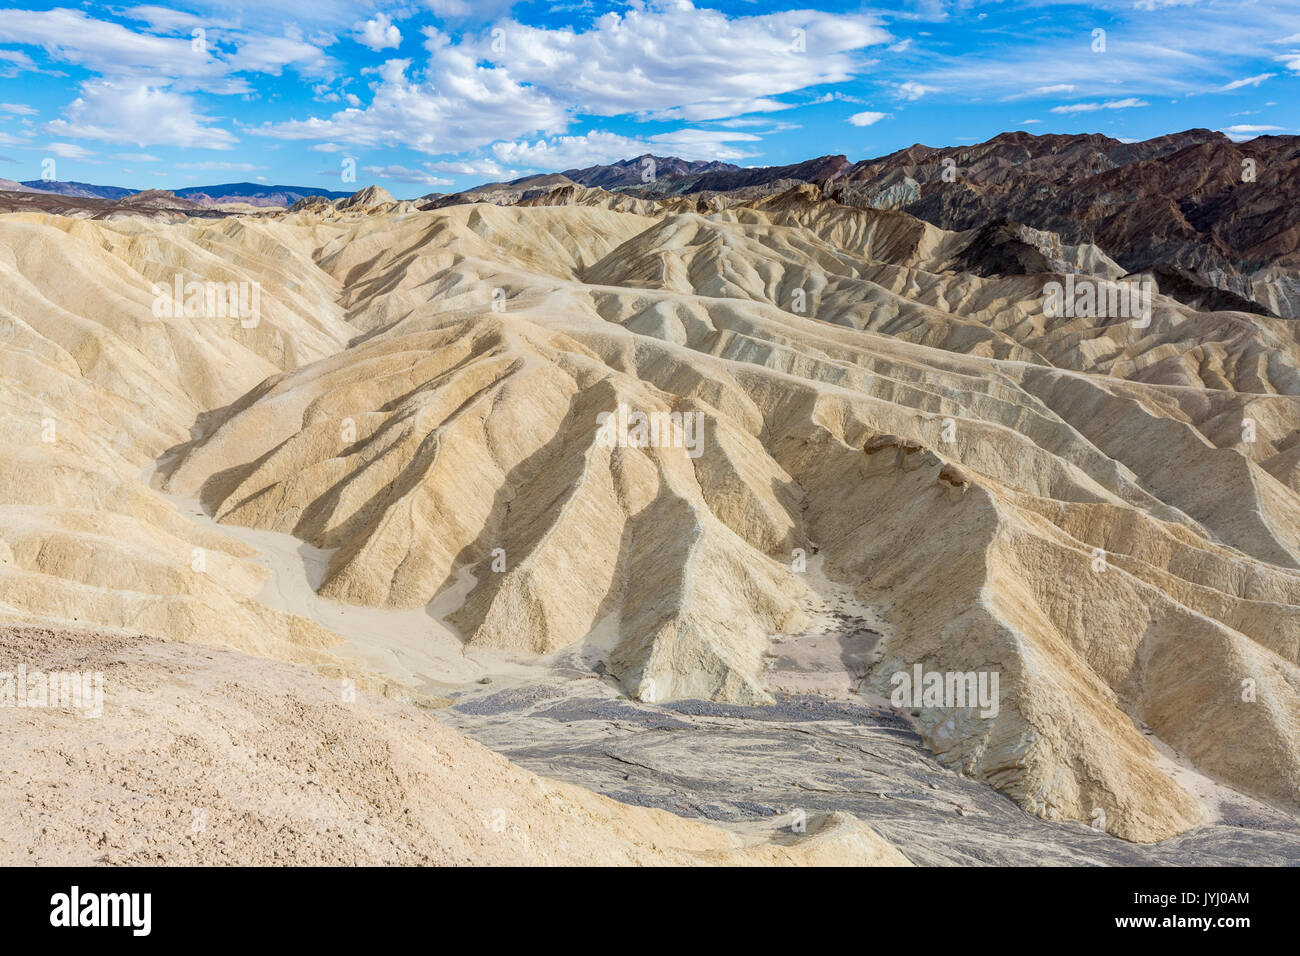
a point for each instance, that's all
(1146, 57)
(703, 143)
(456, 106)
(1243, 132)
(1125, 104)
(673, 56)
(69, 151)
(138, 114)
(136, 158)
(664, 59)
(866, 118)
(402, 174)
(105, 47)
(1177, 51)
(715, 108)
(835, 97)
(20, 109)
(379, 33)
(1055, 89)
(763, 124)
(472, 167)
(911, 90)
(1161, 4)
(13, 62)
(141, 93)
(1248, 81)
(460, 9)
(264, 53)
(569, 152)
(1292, 60)
(165, 20)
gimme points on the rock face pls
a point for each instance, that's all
(1191, 201)
(1102, 512)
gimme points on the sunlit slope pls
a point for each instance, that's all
(95, 385)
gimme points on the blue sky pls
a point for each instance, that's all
(436, 95)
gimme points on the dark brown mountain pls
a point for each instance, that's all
(650, 176)
(153, 204)
(823, 169)
(632, 172)
(1219, 214)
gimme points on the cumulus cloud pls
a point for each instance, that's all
(138, 114)
(455, 106)
(674, 56)
(142, 93)
(270, 54)
(379, 33)
(102, 45)
(112, 50)
(659, 60)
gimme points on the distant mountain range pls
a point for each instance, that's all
(653, 176)
(642, 169)
(77, 190)
(255, 194)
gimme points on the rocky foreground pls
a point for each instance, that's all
(206, 757)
